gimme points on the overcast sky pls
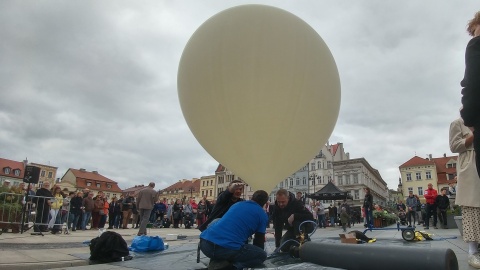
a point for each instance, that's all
(92, 84)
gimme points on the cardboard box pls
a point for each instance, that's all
(348, 238)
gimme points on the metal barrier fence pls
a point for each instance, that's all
(21, 213)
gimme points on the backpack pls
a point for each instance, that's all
(109, 247)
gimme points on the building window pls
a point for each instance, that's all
(108, 195)
(450, 176)
(210, 192)
(304, 181)
(329, 165)
(98, 185)
(409, 177)
(355, 178)
(410, 189)
(319, 180)
(297, 181)
(291, 182)
(50, 174)
(40, 184)
(42, 174)
(451, 165)
(89, 184)
(420, 190)
(109, 186)
(312, 166)
(318, 164)
(418, 176)
(6, 170)
(347, 179)
(356, 195)
(340, 180)
(17, 172)
(428, 174)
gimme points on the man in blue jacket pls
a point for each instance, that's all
(224, 241)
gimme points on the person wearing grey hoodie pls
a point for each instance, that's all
(411, 208)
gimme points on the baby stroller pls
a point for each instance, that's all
(402, 216)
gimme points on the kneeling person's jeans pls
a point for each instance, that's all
(247, 256)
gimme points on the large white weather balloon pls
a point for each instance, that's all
(260, 91)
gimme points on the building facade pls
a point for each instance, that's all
(11, 171)
(183, 189)
(315, 174)
(207, 186)
(417, 173)
(79, 180)
(47, 174)
(353, 175)
(223, 178)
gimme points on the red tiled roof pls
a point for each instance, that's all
(220, 168)
(83, 177)
(417, 161)
(184, 185)
(134, 190)
(443, 171)
(13, 165)
(90, 175)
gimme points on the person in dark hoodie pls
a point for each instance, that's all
(289, 213)
(224, 201)
(443, 203)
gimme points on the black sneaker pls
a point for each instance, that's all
(219, 265)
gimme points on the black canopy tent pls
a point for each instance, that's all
(330, 192)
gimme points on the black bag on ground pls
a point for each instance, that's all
(109, 247)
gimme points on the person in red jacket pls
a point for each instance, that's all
(431, 206)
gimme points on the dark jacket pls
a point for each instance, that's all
(125, 204)
(42, 200)
(332, 211)
(75, 205)
(114, 208)
(160, 207)
(224, 202)
(368, 201)
(442, 202)
(177, 211)
(471, 84)
(280, 216)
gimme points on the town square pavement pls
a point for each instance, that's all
(68, 251)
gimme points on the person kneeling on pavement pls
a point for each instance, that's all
(289, 213)
(225, 240)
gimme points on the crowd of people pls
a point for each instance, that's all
(82, 210)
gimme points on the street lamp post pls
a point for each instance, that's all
(313, 177)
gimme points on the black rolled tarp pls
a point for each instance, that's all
(359, 257)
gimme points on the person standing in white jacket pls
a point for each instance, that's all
(468, 186)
